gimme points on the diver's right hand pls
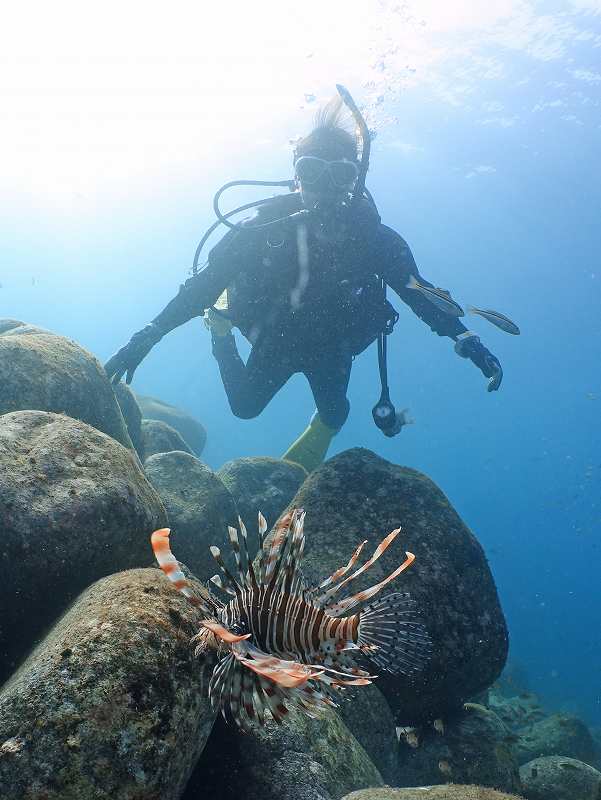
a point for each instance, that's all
(129, 357)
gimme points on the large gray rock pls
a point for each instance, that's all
(74, 506)
(158, 437)
(473, 747)
(441, 792)
(367, 715)
(112, 703)
(560, 778)
(302, 759)
(190, 429)
(199, 508)
(557, 735)
(14, 327)
(46, 372)
(261, 484)
(357, 495)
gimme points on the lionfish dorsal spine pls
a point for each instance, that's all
(384, 544)
(339, 573)
(261, 531)
(342, 607)
(251, 578)
(229, 578)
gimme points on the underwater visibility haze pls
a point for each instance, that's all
(485, 124)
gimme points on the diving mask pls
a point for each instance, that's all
(310, 170)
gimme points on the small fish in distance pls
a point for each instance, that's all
(498, 319)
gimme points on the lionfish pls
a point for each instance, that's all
(283, 645)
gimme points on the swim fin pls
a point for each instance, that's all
(310, 449)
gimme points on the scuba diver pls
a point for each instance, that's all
(304, 280)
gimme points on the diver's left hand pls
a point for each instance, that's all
(128, 358)
(489, 365)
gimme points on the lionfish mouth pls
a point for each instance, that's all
(298, 643)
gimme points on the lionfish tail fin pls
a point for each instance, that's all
(393, 636)
(159, 541)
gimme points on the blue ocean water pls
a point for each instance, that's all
(498, 196)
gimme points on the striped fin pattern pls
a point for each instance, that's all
(285, 646)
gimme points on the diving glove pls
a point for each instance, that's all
(469, 346)
(129, 357)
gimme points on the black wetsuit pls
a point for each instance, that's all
(305, 304)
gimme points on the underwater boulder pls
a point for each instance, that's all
(185, 424)
(518, 712)
(301, 759)
(158, 437)
(14, 327)
(357, 495)
(441, 792)
(132, 414)
(199, 508)
(261, 484)
(47, 372)
(75, 506)
(557, 735)
(560, 778)
(367, 715)
(111, 703)
(471, 746)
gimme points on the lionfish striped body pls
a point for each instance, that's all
(289, 646)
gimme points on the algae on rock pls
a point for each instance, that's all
(75, 506)
(112, 703)
(448, 791)
(47, 372)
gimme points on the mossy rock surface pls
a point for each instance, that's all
(261, 484)
(189, 428)
(74, 506)
(357, 495)
(560, 778)
(199, 508)
(448, 791)
(557, 735)
(46, 372)
(159, 437)
(302, 759)
(112, 702)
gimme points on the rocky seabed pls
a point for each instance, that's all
(102, 696)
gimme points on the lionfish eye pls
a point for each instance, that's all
(239, 628)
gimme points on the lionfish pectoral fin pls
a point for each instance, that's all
(353, 682)
(283, 677)
(393, 636)
(223, 633)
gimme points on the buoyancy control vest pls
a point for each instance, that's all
(310, 290)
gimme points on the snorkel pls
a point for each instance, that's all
(359, 191)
